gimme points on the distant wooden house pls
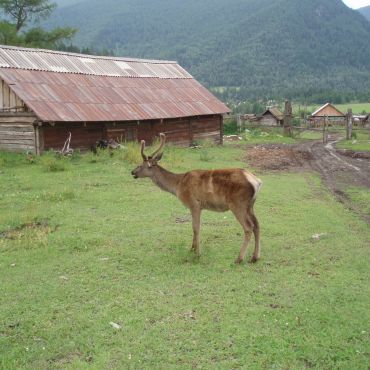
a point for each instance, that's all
(272, 117)
(329, 112)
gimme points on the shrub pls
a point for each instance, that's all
(230, 127)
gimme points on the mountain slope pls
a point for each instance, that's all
(365, 11)
(267, 47)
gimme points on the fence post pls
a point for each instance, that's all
(239, 122)
(349, 124)
(287, 118)
(324, 130)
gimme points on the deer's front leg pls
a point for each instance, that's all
(195, 214)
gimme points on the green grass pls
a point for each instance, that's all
(357, 108)
(89, 245)
(266, 135)
(361, 142)
(361, 197)
(308, 135)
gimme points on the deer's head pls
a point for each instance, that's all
(147, 168)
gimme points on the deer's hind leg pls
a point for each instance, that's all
(242, 216)
(256, 231)
(195, 214)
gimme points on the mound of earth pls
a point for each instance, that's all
(278, 157)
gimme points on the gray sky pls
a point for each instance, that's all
(356, 3)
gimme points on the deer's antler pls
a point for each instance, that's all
(145, 158)
(161, 145)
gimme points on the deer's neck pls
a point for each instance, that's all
(166, 180)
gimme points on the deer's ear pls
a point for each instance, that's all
(159, 157)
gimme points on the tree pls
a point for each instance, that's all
(23, 11)
(20, 14)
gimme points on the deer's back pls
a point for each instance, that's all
(218, 189)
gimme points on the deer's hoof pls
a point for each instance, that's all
(253, 259)
(238, 261)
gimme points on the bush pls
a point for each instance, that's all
(230, 127)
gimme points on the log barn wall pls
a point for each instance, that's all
(17, 133)
(182, 132)
(9, 101)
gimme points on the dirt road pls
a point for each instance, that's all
(339, 169)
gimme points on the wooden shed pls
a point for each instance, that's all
(47, 94)
(327, 111)
(272, 117)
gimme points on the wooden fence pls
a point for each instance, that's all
(326, 127)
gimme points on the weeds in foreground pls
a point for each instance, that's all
(130, 152)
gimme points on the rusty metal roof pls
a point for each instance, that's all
(61, 86)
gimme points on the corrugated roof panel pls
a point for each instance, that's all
(53, 61)
(90, 96)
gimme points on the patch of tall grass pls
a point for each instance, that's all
(130, 152)
(52, 163)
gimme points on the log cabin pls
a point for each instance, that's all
(45, 95)
(271, 117)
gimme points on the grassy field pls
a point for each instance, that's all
(361, 142)
(271, 135)
(357, 108)
(96, 272)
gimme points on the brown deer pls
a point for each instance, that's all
(215, 190)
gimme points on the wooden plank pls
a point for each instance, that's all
(12, 99)
(1, 95)
(17, 119)
(16, 133)
(16, 147)
(18, 128)
(17, 139)
(6, 96)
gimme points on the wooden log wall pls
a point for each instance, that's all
(269, 120)
(83, 136)
(208, 128)
(17, 133)
(182, 131)
(9, 101)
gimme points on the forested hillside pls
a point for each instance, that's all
(243, 48)
(365, 12)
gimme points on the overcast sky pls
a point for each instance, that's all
(356, 3)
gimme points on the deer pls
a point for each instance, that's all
(219, 190)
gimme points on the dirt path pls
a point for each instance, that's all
(339, 169)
